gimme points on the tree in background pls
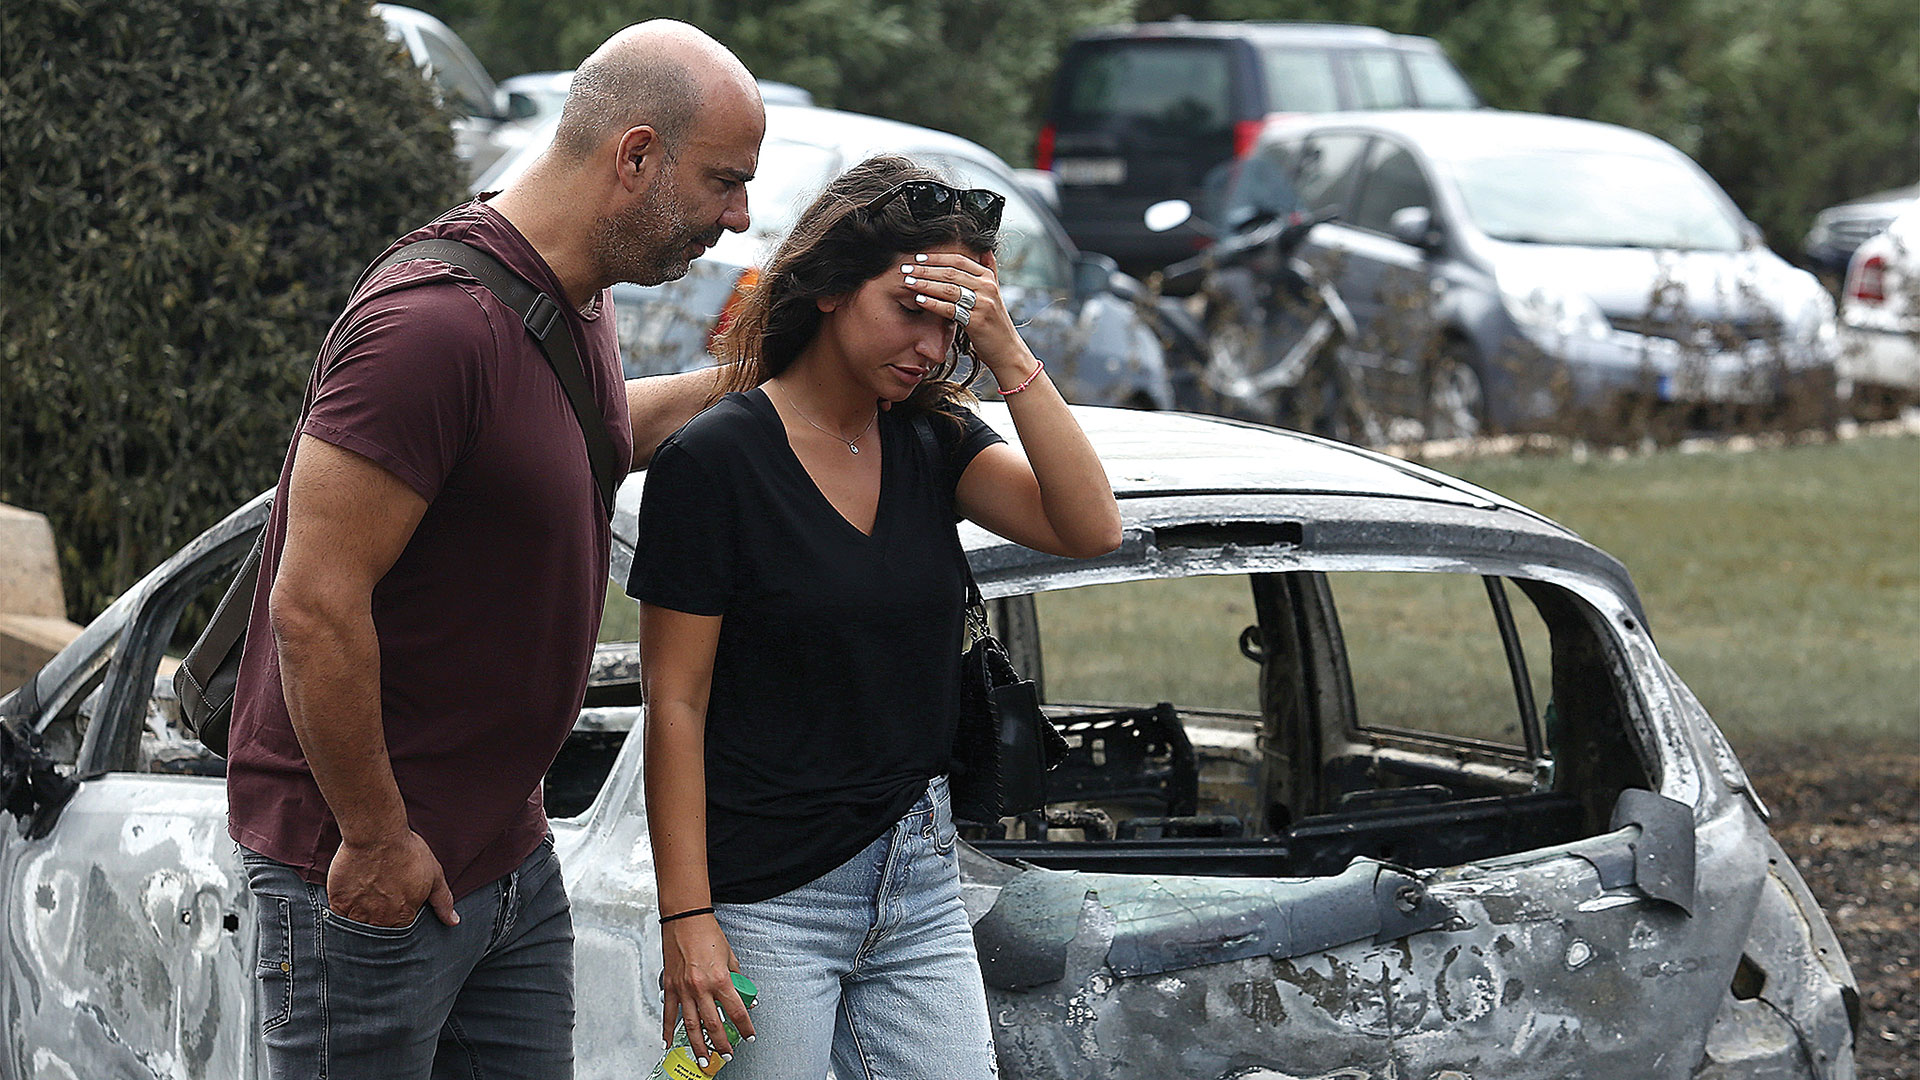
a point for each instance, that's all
(1790, 104)
(191, 188)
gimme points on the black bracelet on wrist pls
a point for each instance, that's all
(664, 919)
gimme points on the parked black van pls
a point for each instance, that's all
(1145, 113)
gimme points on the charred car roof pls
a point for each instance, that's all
(1195, 480)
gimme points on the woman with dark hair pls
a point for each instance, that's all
(802, 599)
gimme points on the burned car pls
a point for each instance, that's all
(1373, 773)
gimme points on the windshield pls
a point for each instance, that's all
(789, 176)
(1594, 199)
(1167, 89)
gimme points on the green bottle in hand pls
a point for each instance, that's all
(679, 1062)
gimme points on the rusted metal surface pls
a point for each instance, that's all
(1538, 971)
(1677, 943)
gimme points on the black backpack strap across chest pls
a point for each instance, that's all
(543, 319)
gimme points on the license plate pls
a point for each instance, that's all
(1090, 170)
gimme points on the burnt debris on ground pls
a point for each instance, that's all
(1850, 817)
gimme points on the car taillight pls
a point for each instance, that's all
(1867, 282)
(1043, 149)
(741, 287)
(1245, 133)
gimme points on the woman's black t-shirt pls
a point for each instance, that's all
(836, 680)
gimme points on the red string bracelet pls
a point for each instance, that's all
(1040, 366)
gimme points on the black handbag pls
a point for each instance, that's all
(1004, 745)
(206, 679)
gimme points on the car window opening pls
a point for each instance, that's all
(1421, 719)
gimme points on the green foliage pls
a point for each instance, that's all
(980, 68)
(191, 188)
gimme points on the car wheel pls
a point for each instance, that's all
(1456, 396)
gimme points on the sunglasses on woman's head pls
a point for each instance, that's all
(927, 199)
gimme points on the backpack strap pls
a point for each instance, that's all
(545, 320)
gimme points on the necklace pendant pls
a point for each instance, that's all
(852, 449)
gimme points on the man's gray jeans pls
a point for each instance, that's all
(489, 998)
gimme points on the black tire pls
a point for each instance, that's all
(1456, 397)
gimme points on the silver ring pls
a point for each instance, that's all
(962, 315)
(967, 299)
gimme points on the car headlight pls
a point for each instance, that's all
(1549, 314)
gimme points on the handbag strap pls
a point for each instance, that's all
(543, 319)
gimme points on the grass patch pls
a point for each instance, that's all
(1145, 641)
(1782, 584)
(621, 619)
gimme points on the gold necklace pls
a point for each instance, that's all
(837, 437)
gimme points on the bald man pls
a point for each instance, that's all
(431, 588)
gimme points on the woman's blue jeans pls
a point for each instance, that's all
(869, 968)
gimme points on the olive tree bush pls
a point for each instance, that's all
(190, 188)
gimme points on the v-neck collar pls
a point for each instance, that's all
(778, 433)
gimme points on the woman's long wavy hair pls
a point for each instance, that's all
(836, 247)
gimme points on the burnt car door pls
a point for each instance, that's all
(1393, 823)
(128, 925)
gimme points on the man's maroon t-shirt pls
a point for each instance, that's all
(487, 621)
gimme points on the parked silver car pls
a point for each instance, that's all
(1505, 267)
(1373, 774)
(1880, 318)
(485, 125)
(1096, 329)
(1838, 231)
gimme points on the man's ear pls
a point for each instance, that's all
(641, 155)
(827, 304)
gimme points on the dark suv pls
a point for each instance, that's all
(1145, 113)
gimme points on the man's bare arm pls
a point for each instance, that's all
(348, 520)
(660, 405)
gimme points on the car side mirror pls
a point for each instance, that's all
(1173, 213)
(1414, 225)
(1093, 275)
(1170, 214)
(519, 106)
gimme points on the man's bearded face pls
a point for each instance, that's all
(652, 241)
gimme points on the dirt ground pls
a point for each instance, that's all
(1851, 820)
